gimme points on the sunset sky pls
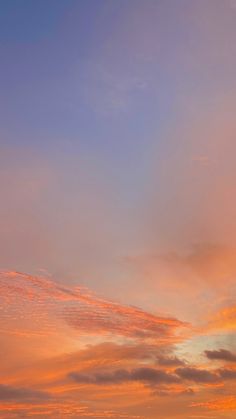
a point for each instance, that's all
(118, 209)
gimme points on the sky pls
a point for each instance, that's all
(117, 214)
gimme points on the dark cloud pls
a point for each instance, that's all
(221, 354)
(153, 375)
(170, 361)
(18, 393)
(227, 374)
(197, 375)
(145, 374)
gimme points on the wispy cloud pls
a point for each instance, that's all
(87, 313)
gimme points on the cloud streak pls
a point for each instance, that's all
(21, 394)
(146, 375)
(87, 313)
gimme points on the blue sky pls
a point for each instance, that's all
(109, 96)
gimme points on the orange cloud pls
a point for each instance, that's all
(84, 311)
(221, 404)
(224, 320)
(143, 362)
(59, 409)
